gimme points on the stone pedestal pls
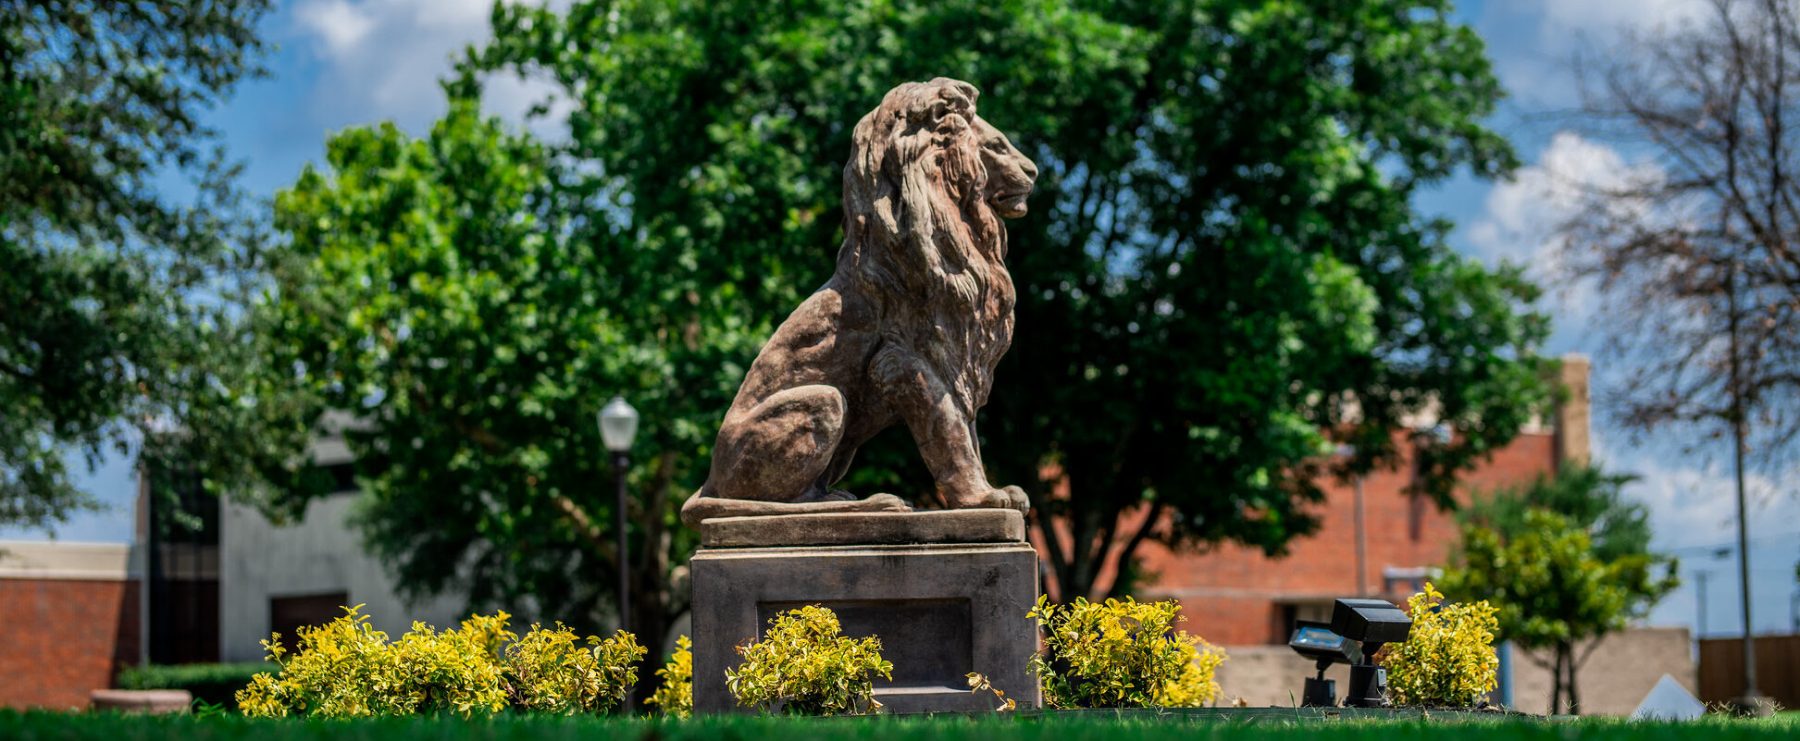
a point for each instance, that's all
(946, 592)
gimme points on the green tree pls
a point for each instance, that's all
(111, 289)
(1566, 560)
(1592, 498)
(1223, 268)
(441, 297)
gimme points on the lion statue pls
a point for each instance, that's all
(907, 330)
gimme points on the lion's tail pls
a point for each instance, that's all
(703, 506)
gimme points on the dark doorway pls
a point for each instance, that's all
(288, 614)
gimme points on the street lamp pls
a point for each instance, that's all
(618, 425)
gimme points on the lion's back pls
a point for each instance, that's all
(819, 343)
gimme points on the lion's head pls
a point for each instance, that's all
(926, 186)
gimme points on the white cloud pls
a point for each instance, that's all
(339, 26)
(1693, 501)
(1564, 19)
(1522, 214)
(382, 59)
(1533, 41)
(512, 96)
(1693, 516)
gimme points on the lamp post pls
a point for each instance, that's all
(618, 425)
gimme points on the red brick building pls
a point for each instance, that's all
(69, 619)
(1234, 595)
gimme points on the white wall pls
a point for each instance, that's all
(61, 559)
(320, 553)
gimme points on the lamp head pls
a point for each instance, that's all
(1316, 641)
(1370, 622)
(618, 425)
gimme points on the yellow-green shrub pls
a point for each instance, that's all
(346, 668)
(676, 695)
(1122, 654)
(449, 671)
(1448, 660)
(547, 671)
(805, 666)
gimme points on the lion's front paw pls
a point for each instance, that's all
(1016, 499)
(1009, 497)
(887, 503)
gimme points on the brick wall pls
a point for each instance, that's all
(64, 637)
(1234, 595)
(1238, 596)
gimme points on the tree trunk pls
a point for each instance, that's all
(1093, 546)
(1573, 688)
(1556, 681)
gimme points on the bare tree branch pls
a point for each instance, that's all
(1708, 102)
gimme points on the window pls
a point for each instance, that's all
(288, 614)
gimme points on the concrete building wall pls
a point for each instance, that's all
(318, 555)
(1612, 682)
(69, 618)
(1265, 676)
(1617, 675)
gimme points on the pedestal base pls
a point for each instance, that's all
(941, 610)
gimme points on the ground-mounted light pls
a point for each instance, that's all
(1315, 641)
(1370, 623)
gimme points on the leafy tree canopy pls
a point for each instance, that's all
(1590, 497)
(1566, 560)
(436, 300)
(110, 289)
(1221, 270)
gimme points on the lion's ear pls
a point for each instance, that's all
(946, 119)
(958, 89)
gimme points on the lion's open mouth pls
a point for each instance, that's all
(1011, 204)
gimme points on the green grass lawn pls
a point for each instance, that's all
(1056, 727)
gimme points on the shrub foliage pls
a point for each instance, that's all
(804, 665)
(550, 671)
(1448, 660)
(676, 694)
(347, 668)
(1122, 654)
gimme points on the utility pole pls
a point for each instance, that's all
(1752, 702)
(1362, 544)
(1347, 453)
(1700, 604)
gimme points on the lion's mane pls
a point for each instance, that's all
(921, 242)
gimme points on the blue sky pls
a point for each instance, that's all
(340, 63)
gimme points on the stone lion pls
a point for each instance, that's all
(907, 330)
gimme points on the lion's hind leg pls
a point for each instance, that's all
(780, 450)
(774, 461)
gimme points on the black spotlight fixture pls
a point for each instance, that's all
(1370, 623)
(1315, 641)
